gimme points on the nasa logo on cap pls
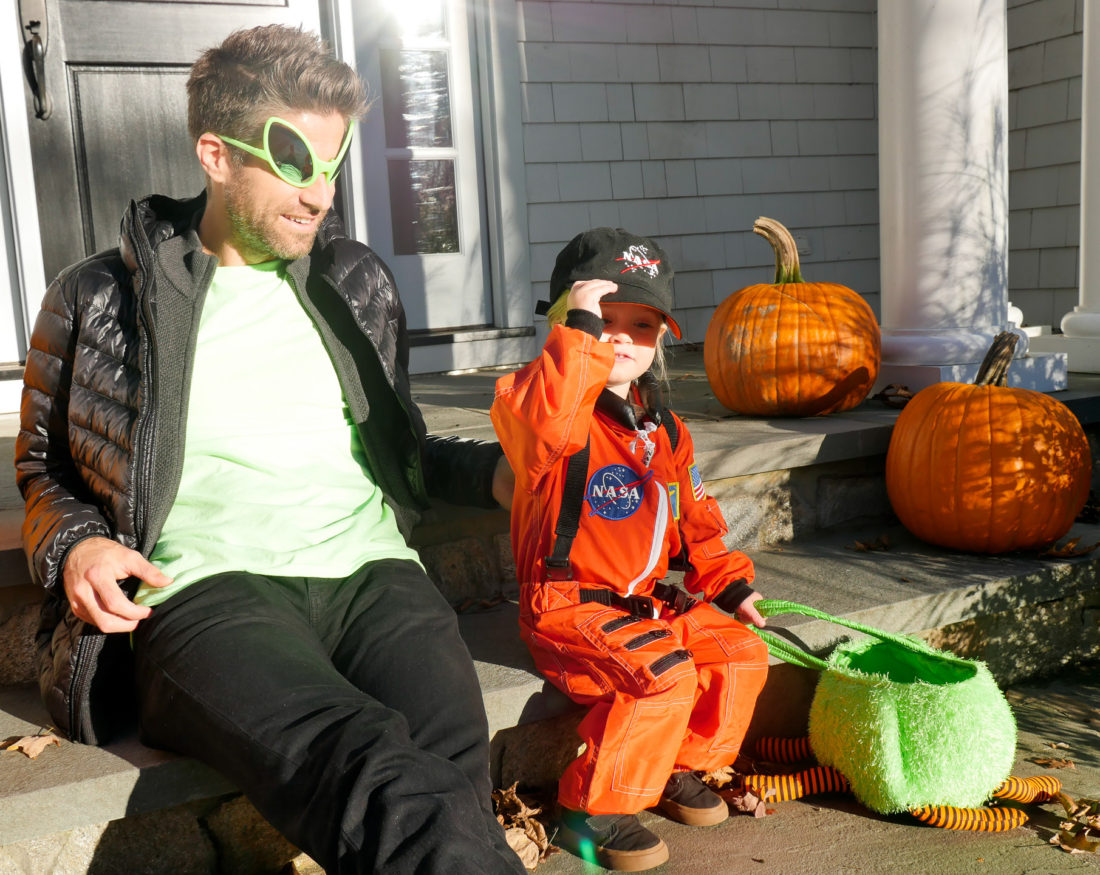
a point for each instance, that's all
(615, 492)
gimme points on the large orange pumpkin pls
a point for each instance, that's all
(987, 468)
(791, 348)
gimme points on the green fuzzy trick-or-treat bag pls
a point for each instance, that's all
(908, 725)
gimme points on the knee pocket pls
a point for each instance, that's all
(643, 655)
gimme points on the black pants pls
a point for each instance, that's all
(348, 711)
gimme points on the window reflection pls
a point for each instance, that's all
(418, 19)
(416, 98)
(423, 208)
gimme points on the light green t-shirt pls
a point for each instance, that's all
(275, 480)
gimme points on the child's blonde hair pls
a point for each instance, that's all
(560, 309)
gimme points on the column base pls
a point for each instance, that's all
(1045, 372)
(1083, 352)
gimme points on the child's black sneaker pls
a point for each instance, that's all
(688, 800)
(614, 841)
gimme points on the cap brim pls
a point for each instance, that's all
(628, 294)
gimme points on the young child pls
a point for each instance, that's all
(607, 495)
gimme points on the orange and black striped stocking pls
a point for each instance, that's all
(973, 819)
(1037, 788)
(774, 749)
(808, 782)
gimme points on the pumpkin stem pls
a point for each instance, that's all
(786, 250)
(994, 367)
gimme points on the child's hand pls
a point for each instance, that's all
(746, 613)
(586, 294)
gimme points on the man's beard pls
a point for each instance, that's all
(258, 236)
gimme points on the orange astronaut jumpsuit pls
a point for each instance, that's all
(668, 689)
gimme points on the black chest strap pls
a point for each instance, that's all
(558, 566)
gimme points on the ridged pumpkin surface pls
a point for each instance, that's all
(794, 349)
(987, 468)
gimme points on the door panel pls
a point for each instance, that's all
(115, 71)
(154, 104)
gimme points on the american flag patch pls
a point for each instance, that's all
(674, 499)
(697, 489)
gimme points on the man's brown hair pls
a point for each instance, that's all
(234, 87)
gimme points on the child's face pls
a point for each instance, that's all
(635, 330)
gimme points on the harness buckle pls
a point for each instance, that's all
(642, 606)
(558, 569)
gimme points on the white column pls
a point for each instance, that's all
(943, 190)
(1081, 327)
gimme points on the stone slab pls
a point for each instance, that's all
(73, 785)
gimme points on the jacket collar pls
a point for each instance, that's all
(645, 391)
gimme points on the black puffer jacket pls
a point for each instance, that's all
(100, 447)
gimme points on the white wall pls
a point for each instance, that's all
(686, 121)
(1044, 153)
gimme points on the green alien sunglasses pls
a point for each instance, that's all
(291, 155)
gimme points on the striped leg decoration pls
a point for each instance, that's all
(774, 749)
(1037, 788)
(819, 779)
(973, 819)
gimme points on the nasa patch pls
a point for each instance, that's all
(615, 492)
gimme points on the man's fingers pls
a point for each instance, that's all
(148, 572)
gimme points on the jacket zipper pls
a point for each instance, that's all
(88, 646)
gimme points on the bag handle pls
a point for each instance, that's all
(792, 653)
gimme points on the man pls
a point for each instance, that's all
(221, 458)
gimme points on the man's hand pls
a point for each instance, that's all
(586, 294)
(504, 483)
(93, 569)
(746, 613)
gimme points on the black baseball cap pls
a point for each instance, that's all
(637, 264)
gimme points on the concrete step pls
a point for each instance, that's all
(1023, 614)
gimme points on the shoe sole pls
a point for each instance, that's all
(694, 816)
(609, 858)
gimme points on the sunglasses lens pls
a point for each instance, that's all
(290, 154)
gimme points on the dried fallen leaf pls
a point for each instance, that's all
(1068, 550)
(882, 542)
(745, 801)
(1053, 763)
(525, 833)
(527, 851)
(31, 745)
(1057, 744)
(895, 395)
(1075, 843)
(721, 778)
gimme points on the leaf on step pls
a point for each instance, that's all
(895, 395)
(1068, 550)
(31, 745)
(525, 833)
(527, 851)
(882, 542)
(1053, 763)
(1075, 843)
(745, 801)
(721, 778)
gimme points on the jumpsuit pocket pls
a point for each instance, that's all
(590, 651)
(638, 655)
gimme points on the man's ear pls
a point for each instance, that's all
(214, 157)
